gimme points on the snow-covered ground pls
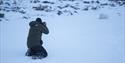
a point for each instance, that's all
(87, 37)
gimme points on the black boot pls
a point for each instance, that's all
(28, 53)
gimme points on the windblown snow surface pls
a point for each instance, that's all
(94, 36)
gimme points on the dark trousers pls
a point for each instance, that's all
(37, 50)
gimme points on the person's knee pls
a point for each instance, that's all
(45, 54)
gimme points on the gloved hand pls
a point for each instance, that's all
(44, 23)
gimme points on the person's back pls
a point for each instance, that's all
(34, 42)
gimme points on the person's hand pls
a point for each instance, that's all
(44, 23)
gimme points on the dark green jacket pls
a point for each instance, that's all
(35, 33)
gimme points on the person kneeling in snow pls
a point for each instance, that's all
(34, 42)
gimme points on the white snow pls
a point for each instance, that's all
(80, 38)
